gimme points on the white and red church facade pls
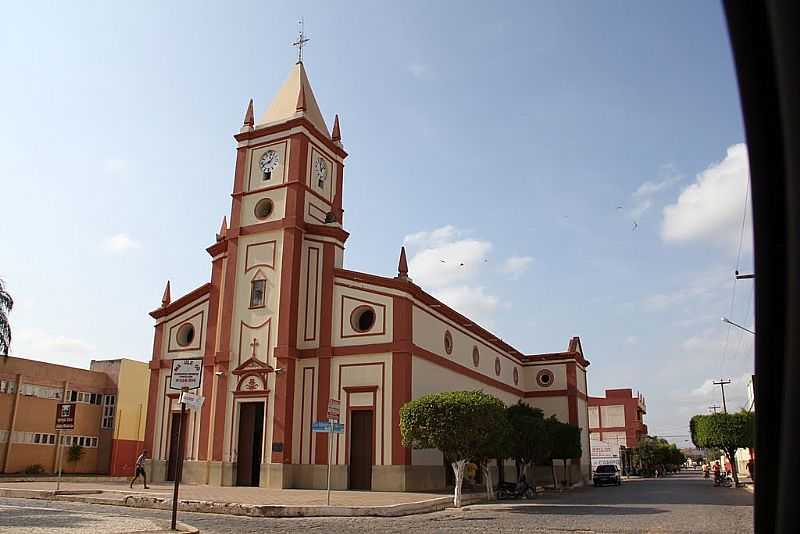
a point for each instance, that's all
(282, 327)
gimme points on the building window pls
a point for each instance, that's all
(109, 403)
(545, 378)
(263, 208)
(362, 319)
(516, 376)
(476, 356)
(185, 334)
(258, 293)
(448, 342)
(497, 367)
(8, 386)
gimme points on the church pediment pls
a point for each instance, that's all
(253, 366)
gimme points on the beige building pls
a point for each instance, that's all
(282, 327)
(29, 394)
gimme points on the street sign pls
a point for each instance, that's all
(186, 373)
(192, 401)
(321, 426)
(65, 416)
(334, 408)
(327, 426)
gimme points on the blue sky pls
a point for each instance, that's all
(504, 136)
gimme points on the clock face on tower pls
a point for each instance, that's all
(321, 171)
(268, 163)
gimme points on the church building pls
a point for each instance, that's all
(282, 327)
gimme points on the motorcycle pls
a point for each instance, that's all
(518, 490)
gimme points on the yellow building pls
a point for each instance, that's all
(110, 400)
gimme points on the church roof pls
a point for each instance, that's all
(295, 98)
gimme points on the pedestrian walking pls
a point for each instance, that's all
(140, 469)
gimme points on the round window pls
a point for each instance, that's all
(448, 342)
(516, 376)
(476, 356)
(545, 378)
(185, 334)
(362, 319)
(264, 208)
(497, 366)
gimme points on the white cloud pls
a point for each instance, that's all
(443, 257)
(121, 243)
(710, 210)
(473, 302)
(735, 392)
(37, 344)
(515, 266)
(449, 264)
(420, 71)
(631, 340)
(643, 196)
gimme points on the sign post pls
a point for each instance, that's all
(186, 374)
(65, 420)
(333, 417)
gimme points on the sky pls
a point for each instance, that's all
(585, 161)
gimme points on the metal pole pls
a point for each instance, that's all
(179, 466)
(59, 454)
(722, 384)
(330, 448)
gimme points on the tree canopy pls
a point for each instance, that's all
(6, 303)
(725, 431)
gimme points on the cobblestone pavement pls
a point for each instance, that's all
(38, 517)
(678, 504)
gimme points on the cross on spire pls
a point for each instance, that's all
(300, 42)
(254, 344)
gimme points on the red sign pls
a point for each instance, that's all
(334, 407)
(65, 416)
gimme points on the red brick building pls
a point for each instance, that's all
(618, 417)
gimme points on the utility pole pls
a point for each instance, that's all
(722, 383)
(714, 407)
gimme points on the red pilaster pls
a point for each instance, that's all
(325, 352)
(208, 355)
(401, 374)
(152, 395)
(572, 392)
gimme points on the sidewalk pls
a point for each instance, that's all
(257, 502)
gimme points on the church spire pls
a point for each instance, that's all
(295, 99)
(167, 298)
(402, 266)
(248, 118)
(336, 136)
(223, 229)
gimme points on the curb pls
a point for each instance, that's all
(250, 510)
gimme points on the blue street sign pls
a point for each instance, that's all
(320, 426)
(338, 428)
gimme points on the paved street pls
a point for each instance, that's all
(681, 503)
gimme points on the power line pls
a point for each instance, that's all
(736, 279)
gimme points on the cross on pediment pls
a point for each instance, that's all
(254, 344)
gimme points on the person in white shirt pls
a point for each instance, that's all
(140, 469)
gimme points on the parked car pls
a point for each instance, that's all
(607, 474)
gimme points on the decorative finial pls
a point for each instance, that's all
(402, 266)
(248, 117)
(336, 136)
(301, 41)
(166, 299)
(223, 229)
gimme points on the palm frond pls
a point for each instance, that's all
(6, 302)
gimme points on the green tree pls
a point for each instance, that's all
(75, 453)
(6, 303)
(565, 444)
(461, 424)
(724, 431)
(528, 441)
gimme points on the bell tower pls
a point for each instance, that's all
(285, 235)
